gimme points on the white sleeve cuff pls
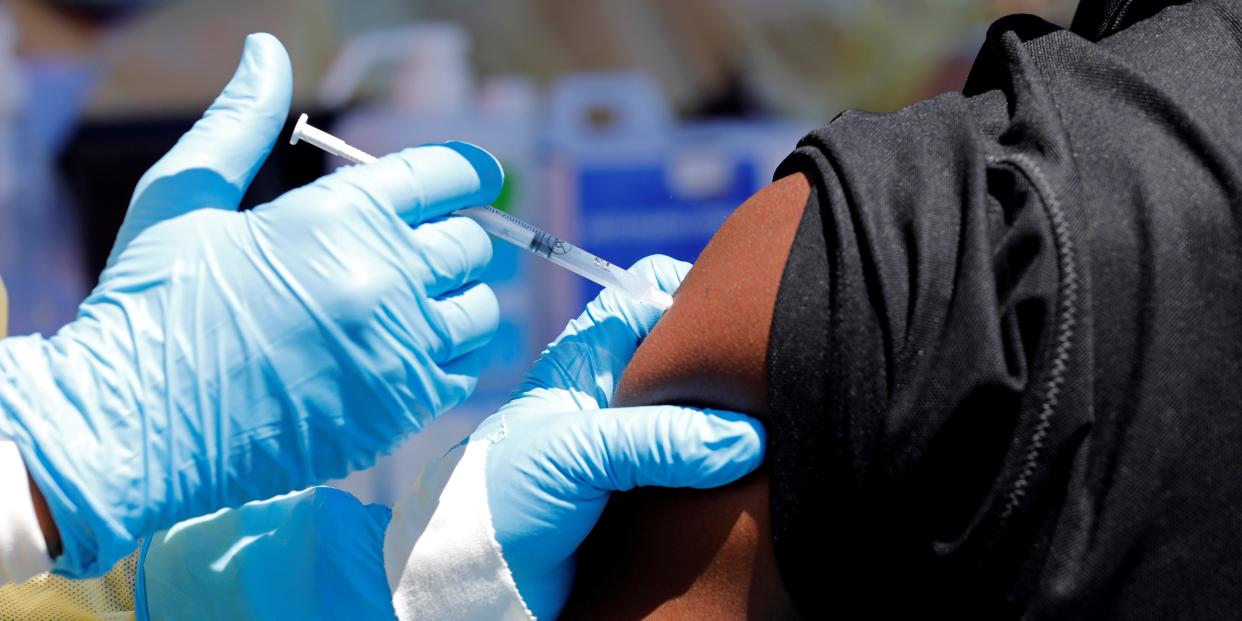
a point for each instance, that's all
(23, 552)
(440, 551)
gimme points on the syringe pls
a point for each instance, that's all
(513, 230)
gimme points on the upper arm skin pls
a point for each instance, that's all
(702, 553)
(710, 348)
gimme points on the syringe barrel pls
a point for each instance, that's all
(546, 245)
(600, 271)
(513, 230)
(562, 253)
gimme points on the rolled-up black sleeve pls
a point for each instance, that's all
(994, 375)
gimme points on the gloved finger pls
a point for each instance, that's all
(665, 272)
(590, 354)
(455, 251)
(667, 446)
(461, 375)
(466, 320)
(417, 184)
(637, 318)
(214, 162)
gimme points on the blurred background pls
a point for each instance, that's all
(629, 127)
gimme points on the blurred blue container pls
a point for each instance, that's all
(628, 181)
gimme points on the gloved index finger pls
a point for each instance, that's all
(428, 181)
(587, 359)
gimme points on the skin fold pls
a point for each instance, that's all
(676, 554)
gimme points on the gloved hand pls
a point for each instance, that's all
(505, 512)
(487, 533)
(230, 356)
(313, 554)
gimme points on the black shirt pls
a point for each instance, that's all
(1006, 360)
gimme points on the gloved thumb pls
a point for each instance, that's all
(212, 164)
(669, 446)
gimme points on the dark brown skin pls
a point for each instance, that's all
(677, 554)
(723, 313)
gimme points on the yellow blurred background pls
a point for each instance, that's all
(807, 58)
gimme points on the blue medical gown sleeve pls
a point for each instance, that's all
(313, 554)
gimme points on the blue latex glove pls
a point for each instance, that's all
(553, 457)
(313, 554)
(554, 454)
(229, 356)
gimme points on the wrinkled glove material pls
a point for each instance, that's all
(228, 356)
(541, 470)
